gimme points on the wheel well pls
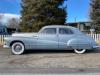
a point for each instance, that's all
(15, 41)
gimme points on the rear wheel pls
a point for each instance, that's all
(80, 51)
(17, 48)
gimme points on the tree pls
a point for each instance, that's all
(13, 23)
(95, 14)
(38, 13)
(1, 16)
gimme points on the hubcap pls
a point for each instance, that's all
(18, 48)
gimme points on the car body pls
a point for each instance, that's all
(52, 37)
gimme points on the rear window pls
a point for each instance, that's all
(65, 31)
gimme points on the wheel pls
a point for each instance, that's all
(17, 48)
(80, 51)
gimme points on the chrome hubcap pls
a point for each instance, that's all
(17, 48)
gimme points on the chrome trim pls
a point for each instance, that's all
(5, 46)
(96, 46)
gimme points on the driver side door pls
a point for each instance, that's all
(48, 39)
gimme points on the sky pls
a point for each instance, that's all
(78, 10)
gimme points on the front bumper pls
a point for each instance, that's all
(5, 46)
(96, 47)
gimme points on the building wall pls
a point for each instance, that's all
(83, 26)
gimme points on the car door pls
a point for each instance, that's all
(65, 34)
(48, 39)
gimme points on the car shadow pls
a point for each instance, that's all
(47, 51)
(58, 51)
(93, 51)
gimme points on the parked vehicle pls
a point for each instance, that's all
(53, 37)
(3, 30)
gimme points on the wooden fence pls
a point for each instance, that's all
(96, 37)
(2, 38)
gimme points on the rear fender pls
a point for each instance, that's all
(79, 44)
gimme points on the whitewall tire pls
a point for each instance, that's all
(80, 51)
(18, 48)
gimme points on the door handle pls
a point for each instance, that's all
(35, 37)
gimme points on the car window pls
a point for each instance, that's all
(65, 31)
(49, 31)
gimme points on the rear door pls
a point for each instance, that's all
(65, 34)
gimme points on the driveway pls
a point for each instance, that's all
(49, 59)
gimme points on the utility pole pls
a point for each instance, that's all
(75, 19)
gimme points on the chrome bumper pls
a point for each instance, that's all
(96, 47)
(5, 46)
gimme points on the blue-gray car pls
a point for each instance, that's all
(52, 37)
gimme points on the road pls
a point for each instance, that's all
(50, 62)
(54, 74)
(49, 71)
(58, 74)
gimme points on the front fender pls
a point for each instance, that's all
(28, 41)
(79, 44)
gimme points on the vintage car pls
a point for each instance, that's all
(52, 37)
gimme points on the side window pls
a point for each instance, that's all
(65, 31)
(49, 31)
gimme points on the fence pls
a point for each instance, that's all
(96, 37)
(2, 38)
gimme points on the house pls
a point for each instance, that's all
(5, 30)
(11, 30)
(83, 26)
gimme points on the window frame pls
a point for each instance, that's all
(49, 33)
(71, 31)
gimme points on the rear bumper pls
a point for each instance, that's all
(96, 47)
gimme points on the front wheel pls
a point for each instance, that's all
(80, 51)
(17, 48)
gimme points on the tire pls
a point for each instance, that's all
(18, 48)
(80, 51)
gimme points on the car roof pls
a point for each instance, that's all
(75, 30)
(59, 26)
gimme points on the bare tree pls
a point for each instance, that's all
(14, 23)
(1, 16)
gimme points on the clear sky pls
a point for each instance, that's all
(78, 9)
(10, 6)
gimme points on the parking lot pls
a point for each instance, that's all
(49, 59)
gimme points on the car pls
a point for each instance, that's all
(51, 37)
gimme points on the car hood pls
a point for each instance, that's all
(24, 34)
